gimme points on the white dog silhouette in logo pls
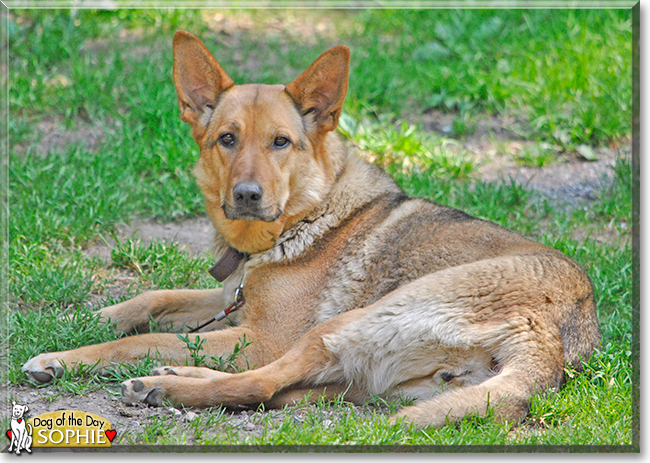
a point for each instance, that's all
(21, 432)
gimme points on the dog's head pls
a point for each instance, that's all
(18, 410)
(267, 155)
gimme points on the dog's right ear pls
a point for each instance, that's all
(199, 79)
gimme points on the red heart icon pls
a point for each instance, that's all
(9, 434)
(111, 433)
(20, 420)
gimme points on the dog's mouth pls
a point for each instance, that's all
(269, 214)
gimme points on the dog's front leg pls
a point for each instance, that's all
(163, 347)
(174, 310)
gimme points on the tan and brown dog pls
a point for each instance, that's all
(349, 285)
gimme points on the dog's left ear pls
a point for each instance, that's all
(321, 89)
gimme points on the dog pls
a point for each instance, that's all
(343, 284)
(21, 432)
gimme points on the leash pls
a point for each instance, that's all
(220, 271)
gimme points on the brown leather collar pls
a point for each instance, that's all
(227, 264)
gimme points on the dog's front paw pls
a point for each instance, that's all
(44, 368)
(141, 390)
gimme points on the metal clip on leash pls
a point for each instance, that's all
(237, 304)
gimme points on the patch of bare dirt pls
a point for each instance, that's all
(283, 24)
(567, 180)
(194, 236)
(497, 144)
(124, 419)
(111, 283)
(53, 136)
(484, 127)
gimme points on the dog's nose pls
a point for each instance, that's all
(247, 193)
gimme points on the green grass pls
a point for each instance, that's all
(561, 70)
(110, 72)
(406, 146)
(161, 265)
(535, 156)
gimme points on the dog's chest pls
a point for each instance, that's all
(330, 278)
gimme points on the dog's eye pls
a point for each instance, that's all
(227, 139)
(280, 142)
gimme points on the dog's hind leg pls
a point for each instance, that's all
(302, 362)
(347, 392)
(510, 309)
(289, 396)
(506, 396)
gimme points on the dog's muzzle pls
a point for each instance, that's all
(248, 204)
